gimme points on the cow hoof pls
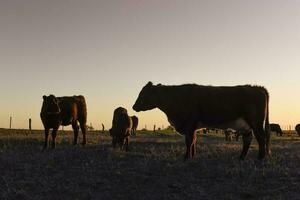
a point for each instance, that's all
(186, 158)
(261, 158)
(242, 158)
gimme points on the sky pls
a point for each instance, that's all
(108, 50)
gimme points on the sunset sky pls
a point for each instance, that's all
(107, 50)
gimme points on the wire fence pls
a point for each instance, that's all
(284, 127)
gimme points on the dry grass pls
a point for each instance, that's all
(153, 169)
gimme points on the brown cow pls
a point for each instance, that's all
(297, 128)
(63, 111)
(190, 107)
(121, 128)
(135, 122)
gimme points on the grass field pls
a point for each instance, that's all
(152, 169)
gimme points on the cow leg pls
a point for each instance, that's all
(247, 138)
(54, 132)
(46, 138)
(121, 143)
(127, 143)
(114, 141)
(75, 129)
(190, 142)
(261, 139)
(268, 149)
(237, 135)
(194, 144)
(83, 130)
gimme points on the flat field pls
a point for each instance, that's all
(152, 169)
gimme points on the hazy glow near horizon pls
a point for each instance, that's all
(108, 50)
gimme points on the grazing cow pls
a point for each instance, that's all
(190, 107)
(121, 128)
(297, 128)
(276, 128)
(229, 134)
(135, 122)
(63, 111)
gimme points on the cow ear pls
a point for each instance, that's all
(149, 83)
(44, 97)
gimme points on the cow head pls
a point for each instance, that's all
(146, 99)
(50, 105)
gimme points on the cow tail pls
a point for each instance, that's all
(82, 107)
(267, 126)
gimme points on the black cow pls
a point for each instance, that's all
(276, 128)
(297, 128)
(135, 123)
(121, 128)
(63, 111)
(190, 107)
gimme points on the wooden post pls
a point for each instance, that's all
(103, 128)
(154, 127)
(30, 124)
(10, 122)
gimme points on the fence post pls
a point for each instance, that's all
(30, 124)
(154, 127)
(103, 128)
(10, 122)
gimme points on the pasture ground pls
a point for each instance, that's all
(153, 169)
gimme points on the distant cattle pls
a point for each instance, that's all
(190, 107)
(276, 128)
(63, 111)
(297, 128)
(135, 123)
(229, 133)
(121, 128)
